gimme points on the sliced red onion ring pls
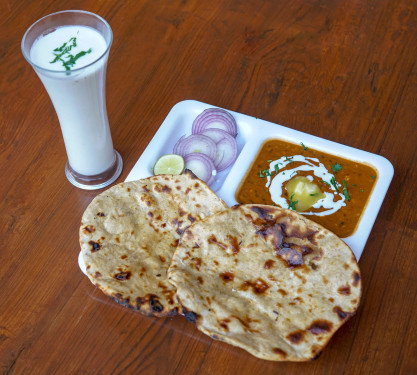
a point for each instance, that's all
(196, 143)
(227, 152)
(226, 148)
(215, 134)
(201, 166)
(175, 149)
(214, 118)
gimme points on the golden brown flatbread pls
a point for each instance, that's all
(267, 280)
(129, 233)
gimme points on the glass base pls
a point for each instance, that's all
(98, 181)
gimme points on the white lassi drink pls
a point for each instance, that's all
(71, 60)
(77, 95)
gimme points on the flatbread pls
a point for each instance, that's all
(267, 280)
(129, 233)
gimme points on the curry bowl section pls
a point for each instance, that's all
(331, 190)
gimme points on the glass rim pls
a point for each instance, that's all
(30, 61)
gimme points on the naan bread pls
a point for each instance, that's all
(129, 233)
(267, 280)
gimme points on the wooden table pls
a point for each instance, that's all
(342, 70)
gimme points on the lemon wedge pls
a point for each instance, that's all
(169, 164)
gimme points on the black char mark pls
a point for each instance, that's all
(95, 246)
(320, 326)
(191, 316)
(340, 313)
(123, 275)
(121, 300)
(227, 276)
(155, 304)
(316, 356)
(258, 286)
(292, 257)
(89, 229)
(296, 337)
(293, 254)
(356, 278)
(294, 231)
(178, 223)
(140, 301)
(265, 213)
(269, 229)
(150, 299)
(166, 189)
(190, 173)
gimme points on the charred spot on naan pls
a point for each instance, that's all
(120, 299)
(290, 225)
(281, 353)
(191, 174)
(122, 275)
(269, 264)
(179, 226)
(191, 316)
(168, 293)
(319, 327)
(342, 315)
(259, 286)
(227, 276)
(356, 279)
(164, 189)
(231, 244)
(89, 229)
(296, 337)
(283, 233)
(149, 304)
(344, 289)
(95, 246)
(316, 355)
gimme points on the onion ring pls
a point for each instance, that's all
(226, 148)
(196, 143)
(214, 118)
(202, 166)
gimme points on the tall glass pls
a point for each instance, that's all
(77, 92)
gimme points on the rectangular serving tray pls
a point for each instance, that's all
(252, 133)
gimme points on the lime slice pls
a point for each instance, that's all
(169, 164)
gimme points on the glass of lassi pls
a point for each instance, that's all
(69, 51)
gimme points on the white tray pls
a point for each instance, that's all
(252, 133)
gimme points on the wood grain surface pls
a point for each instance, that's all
(342, 70)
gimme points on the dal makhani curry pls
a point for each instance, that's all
(331, 190)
